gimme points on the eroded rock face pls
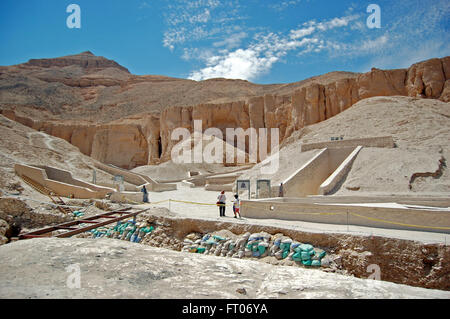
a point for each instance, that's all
(120, 145)
(427, 79)
(146, 138)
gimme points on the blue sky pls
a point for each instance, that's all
(257, 40)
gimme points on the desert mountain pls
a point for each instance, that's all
(97, 105)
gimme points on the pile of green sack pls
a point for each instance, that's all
(129, 231)
(256, 245)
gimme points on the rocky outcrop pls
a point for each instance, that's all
(427, 79)
(316, 102)
(85, 60)
(18, 214)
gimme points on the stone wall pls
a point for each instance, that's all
(381, 217)
(385, 141)
(68, 188)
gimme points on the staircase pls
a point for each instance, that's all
(45, 191)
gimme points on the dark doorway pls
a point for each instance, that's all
(159, 147)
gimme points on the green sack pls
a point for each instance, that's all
(218, 238)
(201, 250)
(261, 249)
(316, 263)
(285, 247)
(297, 257)
(147, 229)
(306, 247)
(305, 255)
(307, 262)
(285, 254)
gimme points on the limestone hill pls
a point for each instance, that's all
(419, 127)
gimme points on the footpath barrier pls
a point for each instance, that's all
(366, 216)
(343, 217)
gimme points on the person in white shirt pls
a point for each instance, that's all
(236, 206)
(221, 199)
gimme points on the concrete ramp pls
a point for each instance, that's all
(137, 179)
(335, 180)
(321, 173)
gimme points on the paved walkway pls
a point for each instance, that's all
(211, 212)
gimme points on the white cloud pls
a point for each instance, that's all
(250, 63)
(410, 33)
(373, 45)
(197, 20)
(283, 5)
(215, 34)
(232, 41)
(300, 33)
(239, 64)
(312, 26)
(267, 49)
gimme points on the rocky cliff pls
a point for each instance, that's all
(142, 134)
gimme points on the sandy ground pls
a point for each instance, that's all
(109, 268)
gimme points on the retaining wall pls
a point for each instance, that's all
(380, 217)
(67, 187)
(384, 141)
(137, 179)
(127, 197)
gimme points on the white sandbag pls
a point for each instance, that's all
(279, 255)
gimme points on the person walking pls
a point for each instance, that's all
(145, 195)
(236, 206)
(281, 191)
(221, 199)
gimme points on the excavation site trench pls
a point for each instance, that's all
(400, 261)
